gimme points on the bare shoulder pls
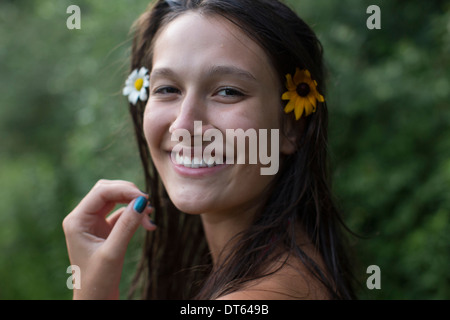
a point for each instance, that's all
(291, 280)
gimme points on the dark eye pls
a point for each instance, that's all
(229, 92)
(166, 90)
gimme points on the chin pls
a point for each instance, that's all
(196, 196)
(192, 208)
(192, 204)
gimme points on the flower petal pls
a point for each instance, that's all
(299, 76)
(290, 106)
(307, 73)
(289, 83)
(320, 97)
(129, 82)
(308, 107)
(133, 97)
(142, 72)
(299, 108)
(143, 94)
(312, 100)
(133, 74)
(127, 90)
(288, 95)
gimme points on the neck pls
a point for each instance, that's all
(220, 228)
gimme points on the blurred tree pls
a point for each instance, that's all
(390, 137)
(63, 126)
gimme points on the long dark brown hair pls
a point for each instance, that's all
(175, 262)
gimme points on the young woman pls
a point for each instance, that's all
(202, 69)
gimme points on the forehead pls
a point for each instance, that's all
(198, 39)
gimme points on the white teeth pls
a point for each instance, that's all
(210, 162)
(195, 163)
(187, 162)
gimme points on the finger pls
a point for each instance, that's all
(125, 226)
(147, 223)
(106, 194)
(113, 217)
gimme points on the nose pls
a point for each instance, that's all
(192, 109)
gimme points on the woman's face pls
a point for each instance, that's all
(205, 69)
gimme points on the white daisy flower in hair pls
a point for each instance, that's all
(136, 85)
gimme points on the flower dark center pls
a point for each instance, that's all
(303, 89)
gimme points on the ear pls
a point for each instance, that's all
(290, 134)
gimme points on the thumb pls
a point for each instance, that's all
(126, 226)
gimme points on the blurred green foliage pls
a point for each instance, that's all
(64, 125)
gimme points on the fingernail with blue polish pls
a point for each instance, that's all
(140, 204)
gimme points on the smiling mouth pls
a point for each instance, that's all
(196, 162)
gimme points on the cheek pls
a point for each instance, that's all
(262, 112)
(149, 129)
(154, 129)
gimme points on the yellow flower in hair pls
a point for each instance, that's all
(302, 94)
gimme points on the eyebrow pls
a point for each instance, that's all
(230, 70)
(218, 70)
(167, 72)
